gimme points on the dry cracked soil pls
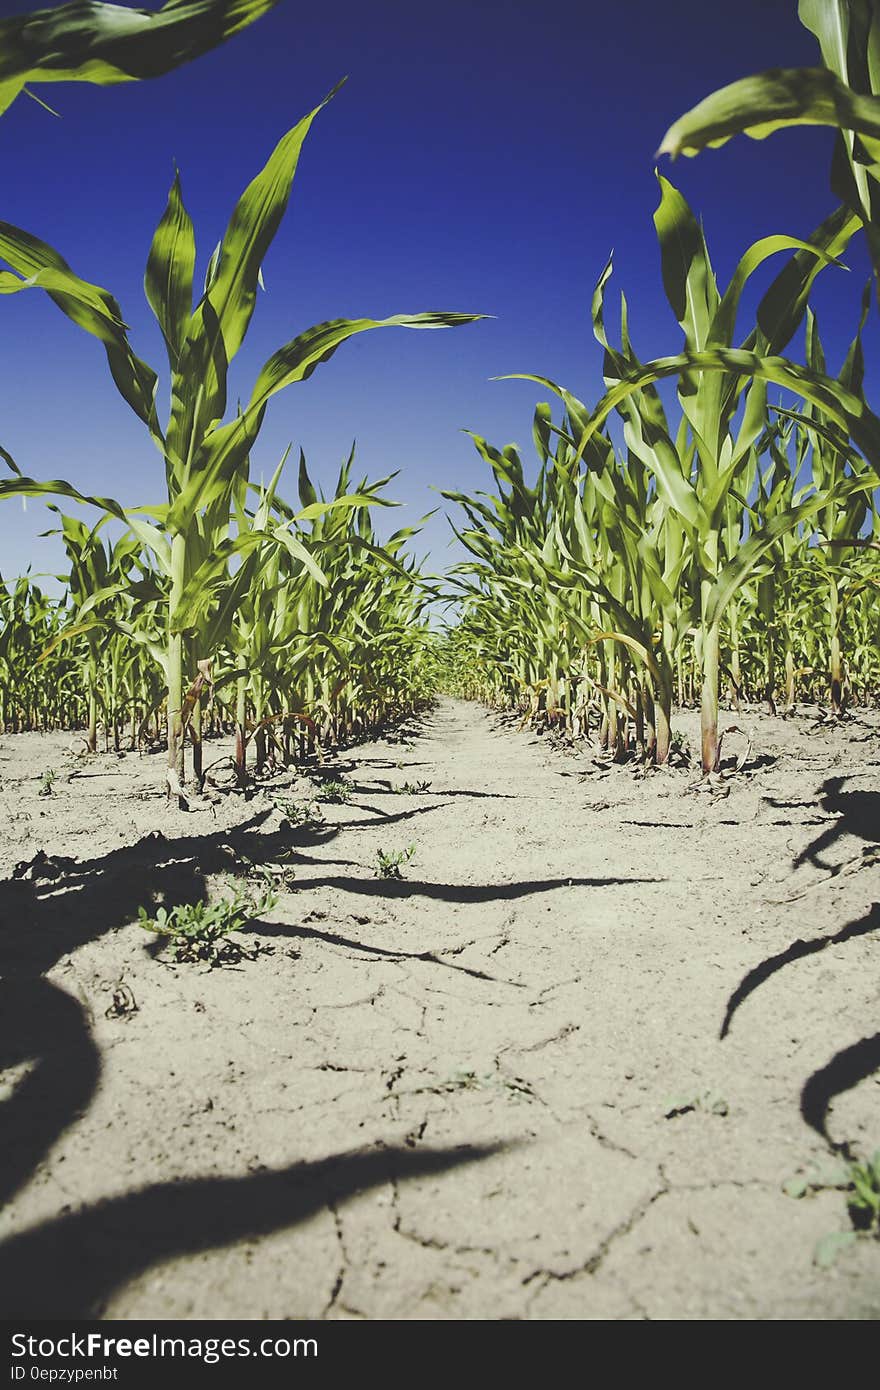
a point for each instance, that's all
(561, 1068)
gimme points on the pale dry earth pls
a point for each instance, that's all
(497, 1089)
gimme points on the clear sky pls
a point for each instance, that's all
(484, 155)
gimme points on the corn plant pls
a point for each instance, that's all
(314, 646)
(389, 863)
(696, 467)
(30, 697)
(188, 534)
(603, 573)
(843, 94)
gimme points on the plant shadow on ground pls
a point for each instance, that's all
(857, 812)
(303, 933)
(463, 892)
(386, 818)
(798, 950)
(847, 1067)
(68, 1266)
(56, 905)
(844, 1071)
(45, 1027)
(53, 905)
(383, 786)
(858, 815)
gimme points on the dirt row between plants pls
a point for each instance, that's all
(495, 1088)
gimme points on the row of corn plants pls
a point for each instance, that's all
(312, 642)
(668, 545)
(185, 582)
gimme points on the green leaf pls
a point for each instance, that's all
(768, 101)
(298, 359)
(9, 461)
(830, 21)
(782, 307)
(294, 362)
(307, 494)
(155, 540)
(724, 321)
(88, 306)
(252, 227)
(88, 41)
(315, 510)
(169, 276)
(29, 487)
(736, 571)
(687, 275)
(844, 407)
(665, 462)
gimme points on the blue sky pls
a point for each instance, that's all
(484, 155)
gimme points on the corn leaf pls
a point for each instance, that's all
(737, 571)
(252, 227)
(29, 487)
(88, 306)
(848, 410)
(769, 101)
(169, 277)
(87, 41)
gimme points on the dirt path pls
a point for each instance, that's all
(495, 1089)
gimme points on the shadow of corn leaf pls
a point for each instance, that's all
(798, 950)
(68, 1267)
(845, 1070)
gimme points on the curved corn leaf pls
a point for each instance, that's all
(224, 446)
(67, 634)
(782, 307)
(88, 306)
(307, 493)
(616, 697)
(255, 220)
(844, 407)
(768, 101)
(9, 461)
(169, 276)
(114, 624)
(737, 571)
(298, 359)
(723, 324)
(687, 274)
(29, 487)
(315, 510)
(674, 486)
(87, 41)
(641, 650)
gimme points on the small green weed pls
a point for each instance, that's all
(300, 815)
(863, 1202)
(861, 1183)
(200, 931)
(413, 788)
(337, 793)
(389, 865)
(47, 782)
